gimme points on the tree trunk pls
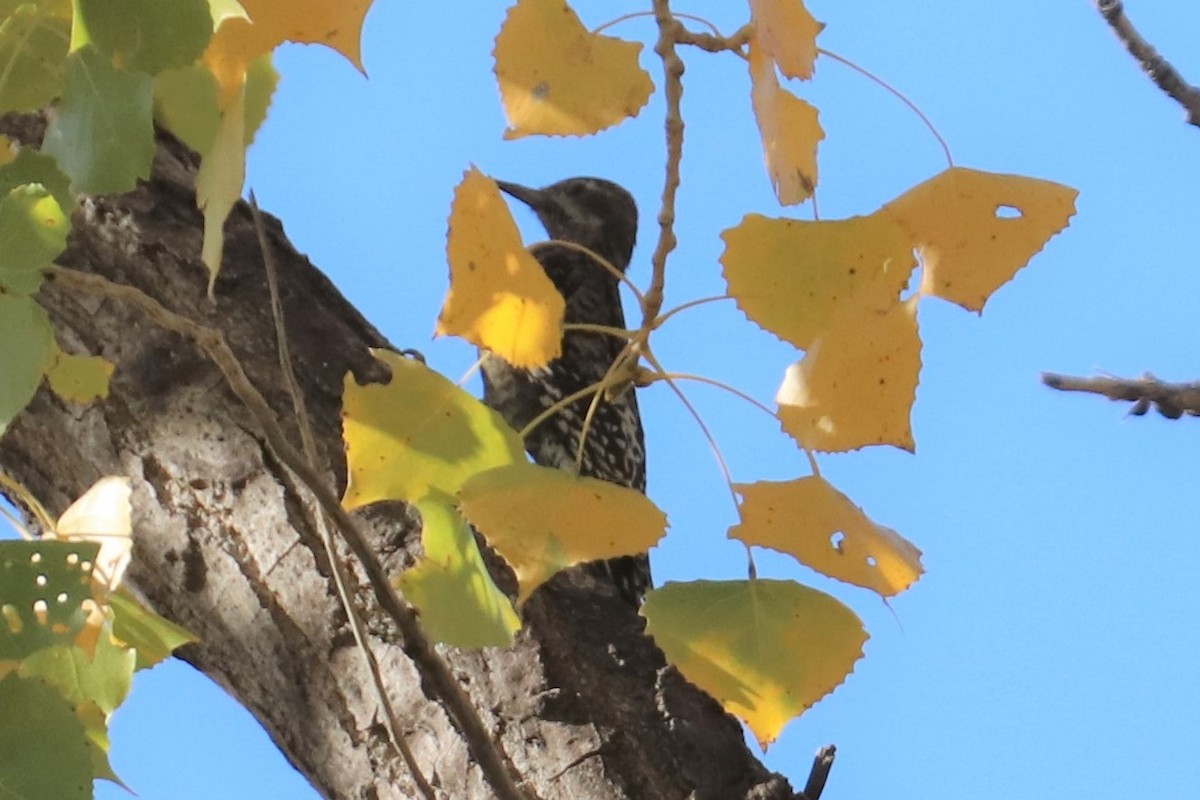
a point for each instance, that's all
(583, 704)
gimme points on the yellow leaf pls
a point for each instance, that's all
(788, 34)
(500, 298)
(793, 277)
(766, 650)
(459, 603)
(543, 520)
(80, 379)
(417, 434)
(790, 132)
(856, 385)
(102, 515)
(558, 79)
(975, 229)
(238, 41)
(819, 526)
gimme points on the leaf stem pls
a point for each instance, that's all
(895, 93)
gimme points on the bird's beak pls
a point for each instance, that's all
(530, 197)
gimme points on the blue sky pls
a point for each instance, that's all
(1046, 652)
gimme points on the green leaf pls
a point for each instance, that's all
(26, 347)
(42, 588)
(146, 35)
(44, 749)
(33, 48)
(185, 101)
(103, 133)
(32, 166)
(103, 679)
(766, 650)
(459, 603)
(153, 637)
(418, 435)
(33, 231)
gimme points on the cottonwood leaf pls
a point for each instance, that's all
(34, 38)
(417, 434)
(821, 528)
(103, 132)
(240, 40)
(46, 594)
(857, 383)
(459, 603)
(557, 79)
(32, 166)
(152, 637)
(789, 129)
(35, 713)
(79, 379)
(975, 230)
(787, 34)
(103, 514)
(793, 277)
(27, 347)
(765, 649)
(146, 35)
(33, 232)
(500, 298)
(543, 520)
(103, 678)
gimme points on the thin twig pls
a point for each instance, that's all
(717, 43)
(1165, 76)
(321, 522)
(1172, 400)
(212, 342)
(668, 29)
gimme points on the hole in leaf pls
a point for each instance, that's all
(836, 540)
(1008, 212)
(871, 562)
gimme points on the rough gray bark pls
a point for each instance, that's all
(583, 704)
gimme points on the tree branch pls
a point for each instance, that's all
(1158, 68)
(1172, 400)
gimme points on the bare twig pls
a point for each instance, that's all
(669, 29)
(483, 748)
(715, 43)
(819, 774)
(321, 522)
(1158, 68)
(1172, 400)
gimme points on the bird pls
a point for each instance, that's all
(602, 217)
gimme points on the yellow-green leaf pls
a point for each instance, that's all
(80, 379)
(543, 520)
(418, 434)
(794, 276)
(458, 601)
(766, 650)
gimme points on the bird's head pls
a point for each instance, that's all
(592, 212)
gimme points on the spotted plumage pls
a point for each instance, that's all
(602, 217)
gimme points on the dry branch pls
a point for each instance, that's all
(1172, 400)
(1165, 76)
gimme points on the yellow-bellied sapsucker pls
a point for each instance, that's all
(602, 217)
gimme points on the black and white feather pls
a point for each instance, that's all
(601, 216)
